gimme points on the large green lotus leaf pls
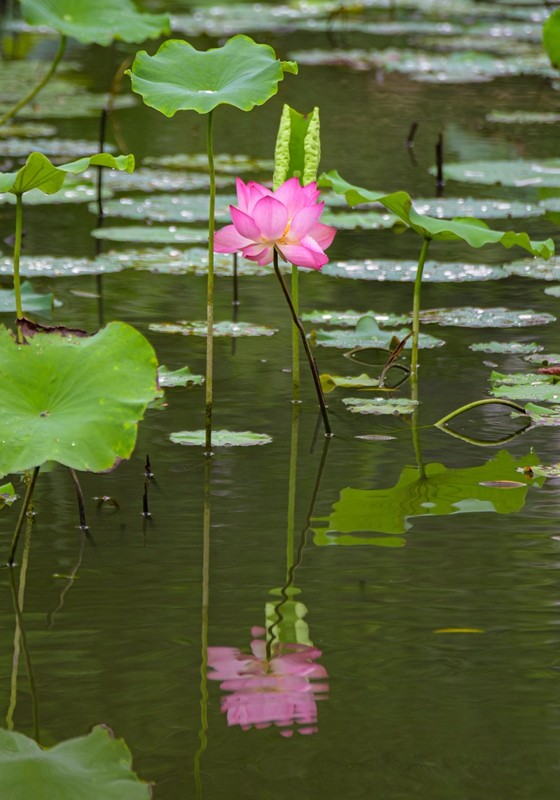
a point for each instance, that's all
(89, 768)
(179, 78)
(40, 173)
(298, 147)
(367, 333)
(225, 328)
(99, 22)
(155, 234)
(403, 270)
(168, 208)
(230, 164)
(470, 317)
(551, 38)
(73, 400)
(61, 266)
(548, 416)
(545, 172)
(499, 486)
(535, 268)
(472, 231)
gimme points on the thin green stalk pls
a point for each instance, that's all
(416, 307)
(17, 255)
(18, 601)
(203, 731)
(308, 353)
(23, 514)
(488, 401)
(295, 333)
(36, 89)
(210, 291)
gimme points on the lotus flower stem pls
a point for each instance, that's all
(308, 353)
(416, 308)
(23, 514)
(210, 290)
(487, 401)
(17, 254)
(295, 334)
(36, 89)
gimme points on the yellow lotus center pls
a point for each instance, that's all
(282, 239)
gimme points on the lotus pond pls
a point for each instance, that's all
(372, 613)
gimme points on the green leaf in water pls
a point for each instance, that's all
(225, 328)
(551, 38)
(61, 266)
(543, 415)
(523, 117)
(76, 401)
(525, 386)
(349, 319)
(544, 359)
(168, 208)
(155, 234)
(221, 438)
(90, 768)
(8, 495)
(395, 406)
(331, 382)
(230, 164)
(39, 303)
(101, 22)
(535, 268)
(178, 377)
(544, 173)
(367, 333)
(514, 348)
(179, 78)
(470, 317)
(402, 270)
(553, 291)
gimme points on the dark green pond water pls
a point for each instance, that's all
(439, 671)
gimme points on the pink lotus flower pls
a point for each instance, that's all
(287, 219)
(271, 691)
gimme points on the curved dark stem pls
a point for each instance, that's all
(148, 476)
(23, 515)
(68, 584)
(80, 497)
(440, 180)
(308, 353)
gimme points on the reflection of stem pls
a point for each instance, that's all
(36, 89)
(80, 498)
(210, 290)
(114, 89)
(21, 639)
(203, 732)
(17, 254)
(295, 333)
(235, 299)
(292, 490)
(308, 353)
(416, 307)
(23, 514)
(416, 431)
(68, 584)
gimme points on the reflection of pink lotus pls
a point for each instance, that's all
(265, 691)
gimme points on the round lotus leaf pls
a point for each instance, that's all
(367, 334)
(38, 303)
(396, 406)
(101, 22)
(160, 180)
(242, 73)
(169, 208)
(57, 102)
(225, 328)
(156, 234)
(470, 317)
(331, 382)
(536, 268)
(513, 348)
(349, 319)
(221, 438)
(27, 130)
(544, 173)
(73, 400)
(523, 117)
(193, 261)
(526, 387)
(179, 377)
(543, 359)
(553, 291)
(223, 162)
(60, 266)
(449, 207)
(403, 270)
(64, 148)
(89, 767)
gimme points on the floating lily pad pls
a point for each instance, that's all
(543, 359)
(397, 406)
(514, 348)
(27, 130)
(161, 180)
(155, 234)
(553, 291)
(225, 328)
(523, 117)
(63, 148)
(76, 401)
(367, 333)
(547, 470)
(99, 23)
(62, 266)
(545, 173)
(72, 193)
(470, 317)
(169, 208)
(168, 261)
(449, 207)
(56, 102)
(349, 319)
(178, 377)
(89, 767)
(39, 303)
(221, 438)
(405, 271)
(543, 415)
(223, 162)
(536, 268)
(359, 220)
(522, 386)
(331, 382)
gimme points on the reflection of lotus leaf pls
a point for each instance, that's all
(443, 491)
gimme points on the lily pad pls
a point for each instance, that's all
(359, 220)
(28, 130)
(405, 271)
(39, 303)
(8, 495)
(536, 268)
(225, 328)
(514, 348)
(349, 319)
(221, 438)
(449, 207)
(523, 117)
(169, 261)
(543, 415)
(178, 77)
(229, 164)
(553, 291)
(60, 266)
(101, 22)
(73, 400)
(56, 102)
(367, 333)
(62, 148)
(161, 180)
(544, 173)
(89, 767)
(156, 234)
(551, 38)
(168, 208)
(331, 382)
(522, 386)
(543, 359)
(396, 406)
(178, 377)
(470, 317)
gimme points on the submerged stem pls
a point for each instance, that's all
(416, 307)
(295, 333)
(308, 353)
(37, 88)
(17, 255)
(210, 291)
(23, 514)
